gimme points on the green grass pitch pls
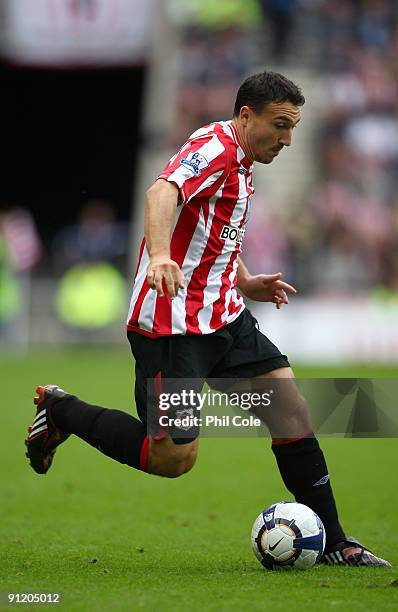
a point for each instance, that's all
(107, 537)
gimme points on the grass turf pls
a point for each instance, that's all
(110, 538)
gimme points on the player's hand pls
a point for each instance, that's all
(267, 288)
(164, 274)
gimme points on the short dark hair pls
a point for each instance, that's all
(265, 87)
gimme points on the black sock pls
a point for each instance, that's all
(113, 432)
(303, 469)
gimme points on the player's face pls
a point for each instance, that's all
(267, 132)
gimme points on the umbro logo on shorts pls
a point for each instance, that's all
(229, 232)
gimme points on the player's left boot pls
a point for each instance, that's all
(351, 552)
(44, 436)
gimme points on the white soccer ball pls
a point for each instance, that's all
(288, 535)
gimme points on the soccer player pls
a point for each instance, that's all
(187, 319)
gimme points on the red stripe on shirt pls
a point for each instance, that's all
(180, 241)
(222, 215)
(219, 306)
(139, 257)
(137, 306)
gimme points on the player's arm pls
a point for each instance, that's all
(161, 204)
(263, 287)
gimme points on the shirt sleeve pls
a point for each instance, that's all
(197, 166)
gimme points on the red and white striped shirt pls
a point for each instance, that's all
(214, 178)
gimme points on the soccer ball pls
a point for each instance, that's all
(288, 535)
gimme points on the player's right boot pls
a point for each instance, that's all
(44, 436)
(351, 552)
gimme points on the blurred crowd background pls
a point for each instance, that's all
(86, 133)
(339, 233)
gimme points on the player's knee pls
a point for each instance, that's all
(190, 460)
(182, 464)
(177, 469)
(178, 460)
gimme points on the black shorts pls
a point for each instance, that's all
(238, 350)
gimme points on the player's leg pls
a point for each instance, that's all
(118, 434)
(115, 433)
(60, 414)
(299, 457)
(301, 463)
(303, 468)
(166, 458)
(177, 364)
(166, 451)
(287, 417)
